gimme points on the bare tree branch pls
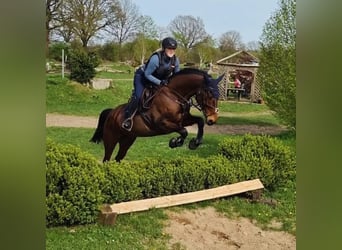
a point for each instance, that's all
(85, 17)
(125, 20)
(188, 30)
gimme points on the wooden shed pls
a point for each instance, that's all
(243, 65)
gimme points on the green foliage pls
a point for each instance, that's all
(73, 185)
(55, 51)
(156, 177)
(220, 171)
(260, 157)
(109, 52)
(277, 71)
(122, 183)
(82, 65)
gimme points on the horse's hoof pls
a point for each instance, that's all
(176, 142)
(194, 143)
(173, 143)
(179, 141)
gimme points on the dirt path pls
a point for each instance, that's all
(206, 229)
(58, 120)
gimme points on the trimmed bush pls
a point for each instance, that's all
(73, 186)
(260, 157)
(190, 174)
(156, 177)
(122, 182)
(220, 172)
(82, 66)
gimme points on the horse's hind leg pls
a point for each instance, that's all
(125, 143)
(109, 142)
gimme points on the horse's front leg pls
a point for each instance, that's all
(178, 141)
(190, 120)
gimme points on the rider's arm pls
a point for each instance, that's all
(150, 68)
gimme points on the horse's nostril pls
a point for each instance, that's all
(210, 122)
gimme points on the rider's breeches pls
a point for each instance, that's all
(139, 79)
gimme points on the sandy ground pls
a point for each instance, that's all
(206, 229)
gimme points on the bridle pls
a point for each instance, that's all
(201, 102)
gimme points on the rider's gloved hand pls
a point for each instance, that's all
(163, 82)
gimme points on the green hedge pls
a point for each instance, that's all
(77, 184)
(260, 156)
(73, 185)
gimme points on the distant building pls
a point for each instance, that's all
(245, 66)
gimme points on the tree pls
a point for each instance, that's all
(51, 16)
(146, 29)
(85, 17)
(252, 46)
(277, 71)
(125, 20)
(205, 51)
(188, 30)
(230, 42)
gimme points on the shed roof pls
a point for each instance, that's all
(240, 58)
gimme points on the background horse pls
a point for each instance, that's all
(169, 112)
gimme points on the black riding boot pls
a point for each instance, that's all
(130, 111)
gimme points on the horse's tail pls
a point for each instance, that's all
(97, 137)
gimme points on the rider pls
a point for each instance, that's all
(158, 69)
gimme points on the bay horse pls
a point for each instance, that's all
(169, 111)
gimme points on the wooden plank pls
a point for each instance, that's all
(180, 199)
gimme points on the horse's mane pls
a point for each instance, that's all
(208, 78)
(190, 71)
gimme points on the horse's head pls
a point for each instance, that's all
(207, 98)
(208, 104)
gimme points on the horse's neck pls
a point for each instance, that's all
(186, 87)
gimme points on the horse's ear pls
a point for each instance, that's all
(219, 79)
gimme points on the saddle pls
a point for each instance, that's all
(146, 101)
(147, 96)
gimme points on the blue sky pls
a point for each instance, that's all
(248, 17)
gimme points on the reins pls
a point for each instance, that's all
(185, 101)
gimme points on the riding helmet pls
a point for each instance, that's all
(169, 43)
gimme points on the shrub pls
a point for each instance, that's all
(73, 185)
(220, 171)
(260, 157)
(190, 174)
(82, 66)
(122, 182)
(156, 177)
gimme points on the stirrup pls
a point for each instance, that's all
(127, 124)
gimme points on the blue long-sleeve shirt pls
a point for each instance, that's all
(153, 65)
